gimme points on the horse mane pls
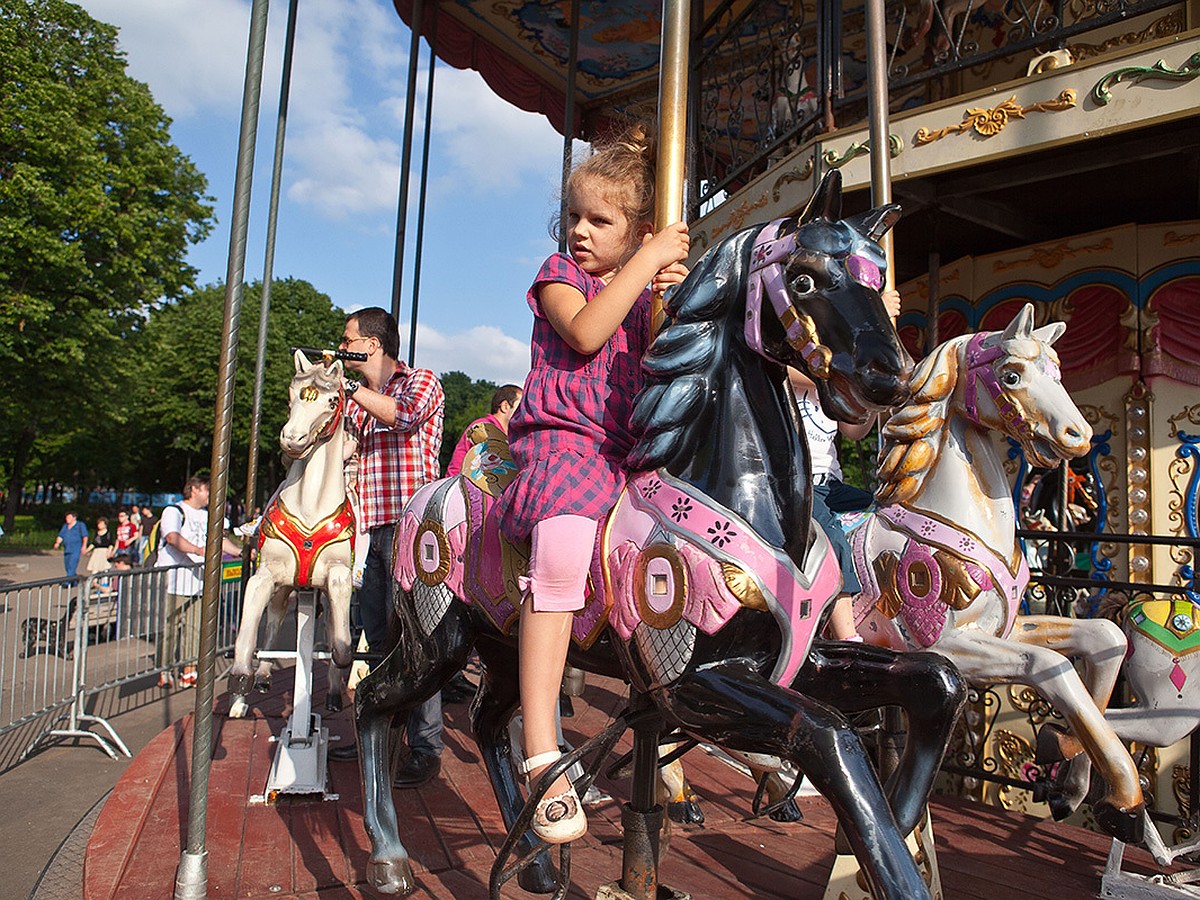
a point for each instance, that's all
(911, 435)
(687, 360)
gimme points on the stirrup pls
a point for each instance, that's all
(558, 819)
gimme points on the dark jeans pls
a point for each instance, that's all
(375, 612)
(828, 499)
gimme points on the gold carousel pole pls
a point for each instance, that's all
(672, 124)
(877, 113)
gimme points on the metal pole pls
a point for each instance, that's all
(412, 334)
(191, 877)
(569, 122)
(877, 103)
(672, 124)
(414, 52)
(285, 86)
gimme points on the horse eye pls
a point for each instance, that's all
(1011, 379)
(803, 284)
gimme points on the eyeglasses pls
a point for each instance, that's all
(347, 341)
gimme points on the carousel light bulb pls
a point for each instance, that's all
(1139, 564)
(1137, 474)
(1137, 412)
(1138, 516)
(1138, 532)
(1137, 454)
(1137, 434)
(1138, 496)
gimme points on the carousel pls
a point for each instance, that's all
(1023, 708)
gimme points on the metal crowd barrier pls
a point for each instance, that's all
(64, 641)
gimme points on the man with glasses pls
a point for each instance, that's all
(396, 418)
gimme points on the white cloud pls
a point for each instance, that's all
(192, 53)
(483, 352)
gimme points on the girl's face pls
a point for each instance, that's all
(599, 234)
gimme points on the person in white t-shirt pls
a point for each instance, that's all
(830, 495)
(184, 530)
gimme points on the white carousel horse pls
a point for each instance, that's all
(939, 561)
(1163, 672)
(306, 536)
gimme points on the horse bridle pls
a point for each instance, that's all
(980, 367)
(766, 275)
(328, 429)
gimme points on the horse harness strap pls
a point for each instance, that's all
(979, 368)
(306, 544)
(982, 565)
(766, 275)
(331, 426)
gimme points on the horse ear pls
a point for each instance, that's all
(826, 202)
(1021, 326)
(302, 363)
(1048, 334)
(335, 371)
(877, 222)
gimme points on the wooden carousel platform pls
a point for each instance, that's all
(318, 849)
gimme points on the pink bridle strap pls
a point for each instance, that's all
(766, 276)
(331, 426)
(980, 368)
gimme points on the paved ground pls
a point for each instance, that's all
(45, 797)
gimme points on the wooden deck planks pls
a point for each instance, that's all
(319, 850)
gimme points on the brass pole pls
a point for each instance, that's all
(672, 125)
(877, 106)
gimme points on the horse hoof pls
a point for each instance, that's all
(239, 683)
(333, 703)
(238, 707)
(686, 812)
(262, 685)
(789, 812)
(1126, 825)
(1055, 744)
(539, 877)
(391, 876)
(1060, 806)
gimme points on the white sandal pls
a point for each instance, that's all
(559, 819)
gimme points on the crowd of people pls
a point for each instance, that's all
(107, 547)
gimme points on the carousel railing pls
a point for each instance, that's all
(985, 753)
(769, 76)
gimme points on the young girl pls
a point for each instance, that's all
(571, 433)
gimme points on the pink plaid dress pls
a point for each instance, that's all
(571, 433)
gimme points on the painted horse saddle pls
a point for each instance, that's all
(1172, 624)
(306, 543)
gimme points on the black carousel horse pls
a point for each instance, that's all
(716, 576)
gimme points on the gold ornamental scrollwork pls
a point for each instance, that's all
(863, 148)
(1180, 470)
(792, 176)
(739, 215)
(990, 122)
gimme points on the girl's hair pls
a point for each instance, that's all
(627, 162)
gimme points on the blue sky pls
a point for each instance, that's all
(494, 170)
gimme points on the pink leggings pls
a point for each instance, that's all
(559, 563)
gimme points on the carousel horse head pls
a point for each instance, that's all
(1004, 381)
(823, 275)
(315, 406)
(802, 292)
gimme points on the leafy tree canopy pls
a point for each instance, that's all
(466, 401)
(97, 210)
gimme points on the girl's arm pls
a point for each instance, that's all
(585, 326)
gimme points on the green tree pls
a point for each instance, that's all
(179, 349)
(466, 401)
(97, 209)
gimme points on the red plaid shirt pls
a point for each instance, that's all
(393, 462)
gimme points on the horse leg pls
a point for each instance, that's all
(275, 613)
(414, 670)
(986, 659)
(338, 586)
(494, 705)
(258, 593)
(857, 677)
(715, 703)
(1164, 714)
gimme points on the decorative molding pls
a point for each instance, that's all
(990, 122)
(1174, 239)
(799, 174)
(1171, 24)
(1049, 257)
(1160, 71)
(738, 217)
(831, 159)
